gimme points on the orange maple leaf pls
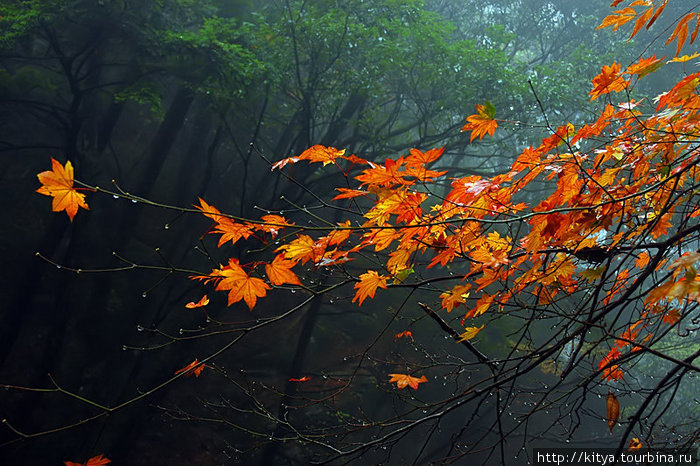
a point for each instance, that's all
(241, 286)
(609, 80)
(367, 286)
(94, 461)
(273, 224)
(58, 183)
(481, 122)
(404, 334)
(403, 380)
(279, 271)
(301, 249)
(306, 378)
(618, 18)
(227, 227)
(195, 367)
(203, 301)
(317, 153)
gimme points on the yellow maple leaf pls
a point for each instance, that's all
(58, 183)
(469, 333)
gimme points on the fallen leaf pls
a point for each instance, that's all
(58, 183)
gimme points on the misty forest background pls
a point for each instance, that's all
(180, 99)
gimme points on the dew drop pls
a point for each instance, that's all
(144, 294)
(139, 328)
(134, 201)
(115, 196)
(182, 331)
(293, 291)
(166, 227)
(58, 266)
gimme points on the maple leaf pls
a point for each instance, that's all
(98, 460)
(609, 80)
(455, 297)
(418, 157)
(273, 224)
(404, 334)
(301, 249)
(469, 333)
(671, 317)
(241, 286)
(481, 122)
(403, 380)
(634, 444)
(319, 153)
(194, 368)
(279, 271)
(347, 193)
(229, 229)
(306, 378)
(58, 183)
(204, 300)
(644, 66)
(684, 58)
(680, 33)
(618, 18)
(367, 286)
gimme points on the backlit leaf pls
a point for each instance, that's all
(58, 183)
(403, 380)
(204, 300)
(241, 286)
(98, 460)
(469, 333)
(194, 368)
(367, 286)
(279, 271)
(482, 122)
